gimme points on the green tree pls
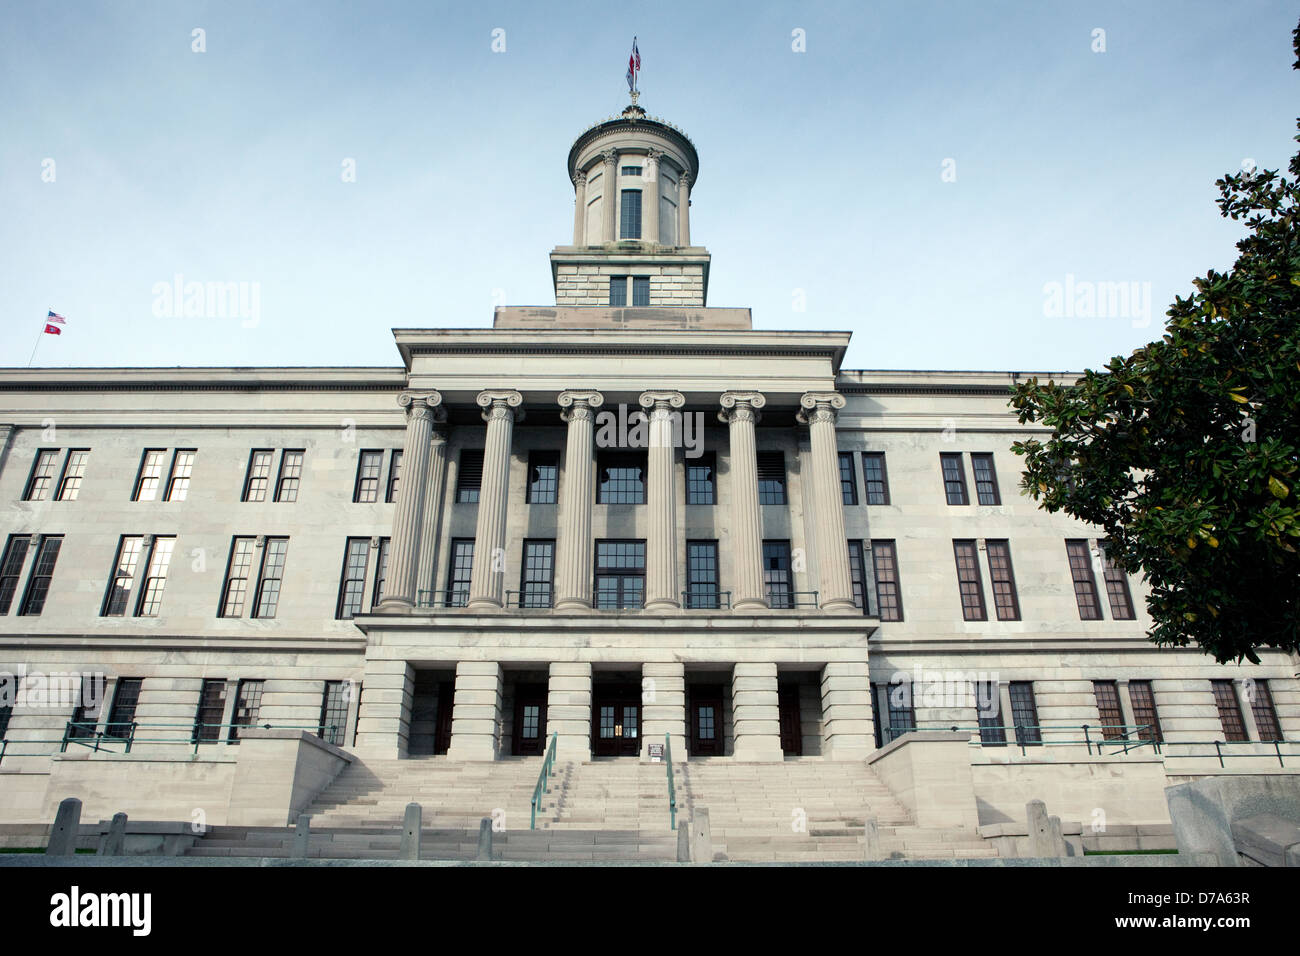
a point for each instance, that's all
(1187, 452)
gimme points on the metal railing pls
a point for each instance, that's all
(607, 599)
(789, 600)
(543, 786)
(1048, 735)
(528, 599)
(672, 788)
(1220, 755)
(96, 739)
(706, 600)
(443, 599)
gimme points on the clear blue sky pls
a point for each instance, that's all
(820, 171)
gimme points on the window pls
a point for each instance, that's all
(701, 480)
(901, 707)
(702, 575)
(334, 712)
(877, 480)
(11, 568)
(988, 710)
(620, 574)
(248, 701)
(857, 575)
(268, 586)
(352, 588)
(212, 707)
(85, 717)
(394, 475)
(954, 479)
(640, 291)
(1261, 706)
(381, 572)
(543, 478)
(38, 583)
(123, 577)
(258, 478)
(620, 478)
(155, 579)
(848, 480)
(1108, 709)
(1024, 714)
(630, 171)
(149, 476)
(889, 599)
(178, 483)
(1003, 580)
(538, 574)
(1085, 585)
(1117, 592)
(74, 469)
(6, 711)
(286, 487)
(1145, 716)
(42, 476)
(1225, 699)
(618, 290)
(877, 726)
(469, 476)
(126, 695)
(986, 481)
(237, 571)
(968, 581)
(629, 224)
(776, 574)
(368, 467)
(462, 568)
(771, 477)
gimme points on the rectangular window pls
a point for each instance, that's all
(212, 707)
(286, 487)
(877, 479)
(248, 701)
(1003, 580)
(381, 572)
(268, 585)
(630, 171)
(74, 469)
(6, 711)
(543, 478)
(1024, 714)
(702, 575)
(771, 477)
(877, 724)
(85, 717)
(42, 476)
(369, 465)
(11, 568)
(857, 575)
(155, 579)
(988, 710)
(954, 479)
(620, 478)
(150, 475)
(629, 223)
(1225, 699)
(901, 708)
(618, 291)
(1143, 700)
(258, 478)
(640, 291)
(1117, 592)
(334, 712)
(848, 479)
(986, 481)
(126, 695)
(462, 569)
(701, 480)
(1108, 709)
(1261, 706)
(394, 475)
(352, 587)
(536, 584)
(776, 574)
(1085, 585)
(620, 574)
(968, 581)
(889, 599)
(122, 582)
(38, 584)
(178, 484)
(238, 570)
(469, 476)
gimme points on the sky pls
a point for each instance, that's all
(1003, 186)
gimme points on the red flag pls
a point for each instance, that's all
(52, 329)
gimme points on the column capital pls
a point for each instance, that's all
(666, 399)
(580, 178)
(740, 406)
(500, 402)
(577, 402)
(684, 180)
(423, 404)
(610, 156)
(819, 406)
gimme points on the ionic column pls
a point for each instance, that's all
(756, 713)
(836, 585)
(661, 539)
(580, 209)
(650, 196)
(609, 208)
(740, 412)
(501, 408)
(573, 582)
(422, 410)
(684, 209)
(433, 495)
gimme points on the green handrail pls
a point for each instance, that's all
(672, 790)
(548, 769)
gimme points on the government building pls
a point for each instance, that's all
(622, 530)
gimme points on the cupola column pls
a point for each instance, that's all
(609, 193)
(580, 208)
(650, 197)
(684, 209)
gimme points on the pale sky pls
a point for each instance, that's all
(917, 175)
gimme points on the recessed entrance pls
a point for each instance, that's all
(615, 717)
(529, 737)
(787, 698)
(705, 717)
(431, 705)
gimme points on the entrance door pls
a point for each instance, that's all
(530, 720)
(616, 720)
(791, 731)
(706, 721)
(442, 727)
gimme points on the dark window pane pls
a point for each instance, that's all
(889, 598)
(1003, 580)
(11, 568)
(901, 708)
(954, 479)
(381, 572)
(1225, 699)
(290, 476)
(38, 584)
(776, 574)
(988, 709)
(248, 701)
(352, 587)
(125, 697)
(334, 712)
(369, 465)
(1108, 709)
(1024, 714)
(1117, 592)
(469, 477)
(1145, 716)
(701, 480)
(702, 575)
(1085, 585)
(212, 707)
(538, 574)
(640, 291)
(968, 581)
(857, 575)
(1261, 706)
(620, 478)
(629, 223)
(620, 574)
(122, 580)
(394, 475)
(268, 589)
(848, 480)
(986, 482)
(259, 475)
(771, 478)
(462, 569)
(543, 478)
(618, 290)
(877, 480)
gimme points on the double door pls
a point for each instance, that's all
(616, 721)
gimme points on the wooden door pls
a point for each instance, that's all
(706, 721)
(442, 727)
(530, 720)
(791, 730)
(616, 721)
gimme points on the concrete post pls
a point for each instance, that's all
(609, 194)
(663, 705)
(1042, 842)
(484, 851)
(871, 840)
(580, 208)
(573, 578)
(501, 409)
(650, 197)
(63, 835)
(476, 712)
(683, 842)
(701, 837)
(410, 845)
(754, 704)
(114, 843)
(684, 209)
(740, 410)
(818, 411)
(661, 541)
(399, 585)
(568, 710)
(302, 836)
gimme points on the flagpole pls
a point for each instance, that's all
(36, 346)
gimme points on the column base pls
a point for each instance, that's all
(842, 606)
(664, 604)
(572, 604)
(759, 751)
(484, 605)
(751, 604)
(395, 605)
